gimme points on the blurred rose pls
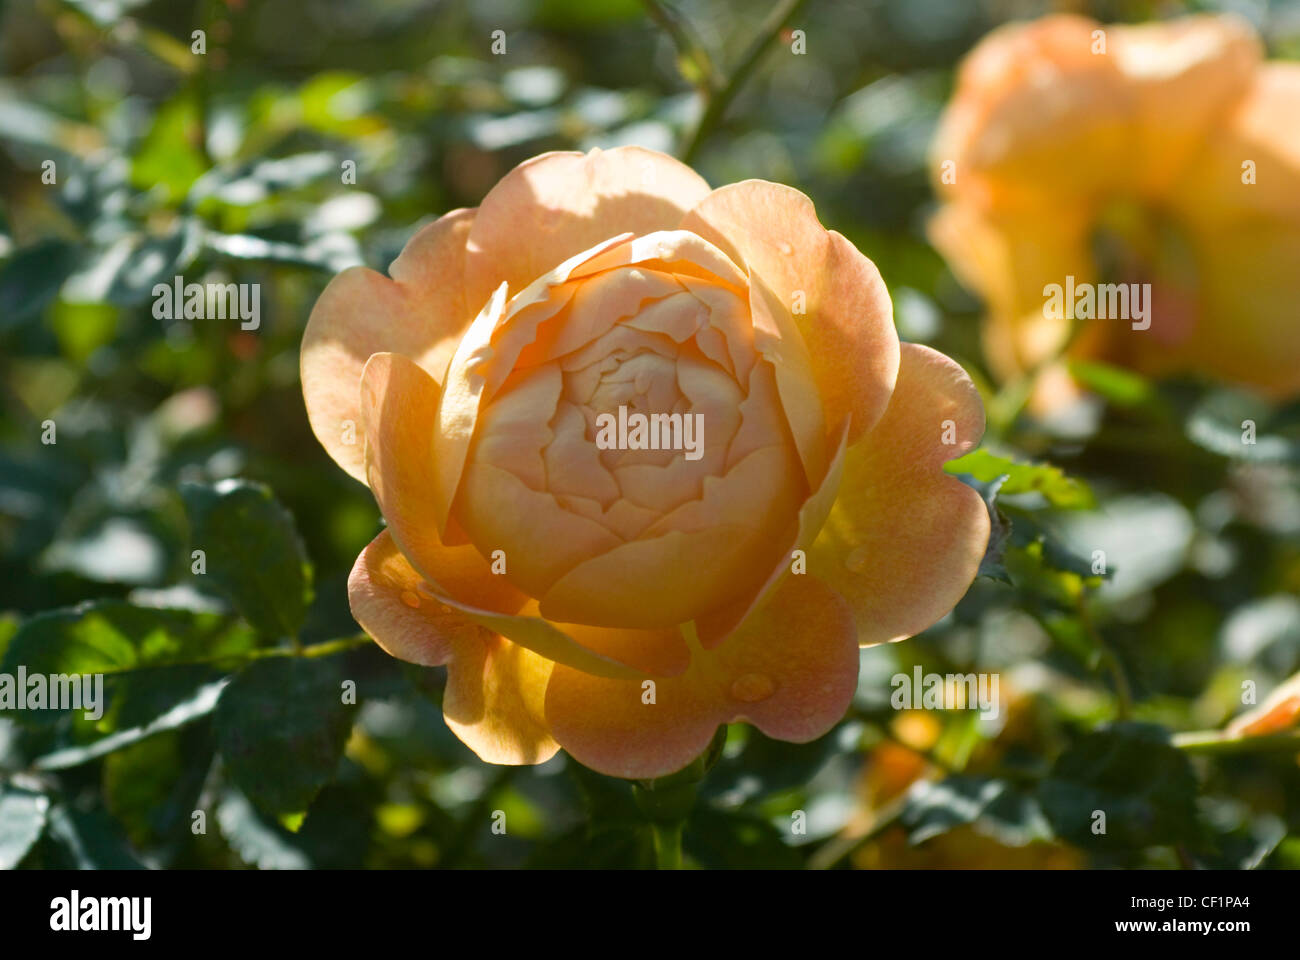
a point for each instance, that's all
(1165, 154)
(1279, 713)
(622, 603)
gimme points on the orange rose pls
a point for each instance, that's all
(1163, 157)
(584, 588)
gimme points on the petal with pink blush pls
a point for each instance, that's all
(387, 599)
(791, 672)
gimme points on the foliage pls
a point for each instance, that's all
(227, 735)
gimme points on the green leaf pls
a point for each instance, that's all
(992, 806)
(1233, 423)
(31, 278)
(201, 703)
(1042, 478)
(22, 820)
(281, 727)
(1123, 388)
(736, 840)
(253, 551)
(152, 787)
(110, 636)
(258, 841)
(91, 841)
(1131, 773)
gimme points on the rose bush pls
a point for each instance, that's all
(622, 603)
(1164, 153)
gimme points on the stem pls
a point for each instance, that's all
(668, 845)
(1123, 692)
(717, 104)
(686, 43)
(1216, 742)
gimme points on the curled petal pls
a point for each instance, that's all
(556, 205)
(833, 294)
(388, 600)
(905, 540)
(419, 312)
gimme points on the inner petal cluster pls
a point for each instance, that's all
(633, 463)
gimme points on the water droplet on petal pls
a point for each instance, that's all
(785, 248)
(752, 687)
(410, 599)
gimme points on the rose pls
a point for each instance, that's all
(622, 603)
(1164, 154)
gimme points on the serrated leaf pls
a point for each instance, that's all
(1051, 482)
(281, 726)
(22, 820)
(253, 552)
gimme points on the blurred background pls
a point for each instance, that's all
(231, 166)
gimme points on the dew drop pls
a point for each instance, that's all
(752, 687)
(785, 248)
(410, 599)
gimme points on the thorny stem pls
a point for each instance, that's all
(717, 103)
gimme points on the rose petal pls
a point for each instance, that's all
(420, 313)
(791, 672)
(558, 204)
(495, 700)
(904, 540)
(385, 593)
(398, 404)
(847, 321)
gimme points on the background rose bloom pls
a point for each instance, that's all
(555, 577)
(1163, 153)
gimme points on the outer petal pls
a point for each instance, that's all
(495, 688)
(388, 599)
(791, 671)
(904, 540)
(420, 313)
(558, 204)
(847, 322)
(494, 702)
